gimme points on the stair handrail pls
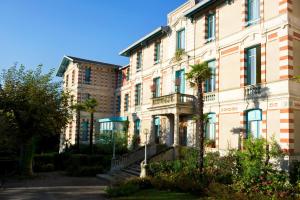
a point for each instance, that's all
(132, 157)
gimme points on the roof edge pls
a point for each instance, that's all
(161, 29)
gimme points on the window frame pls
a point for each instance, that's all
(157, 92)
(139, 61)
(211, 83)
(180, 39)
(138, 94)
(252, 16)
(157, 52)
(259, 127)
(211, 27)
(211, 122)
(137, 127)
(249, 66)
(87, 75)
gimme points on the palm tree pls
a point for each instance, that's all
(78, 107)
(90, 106)
(197, 76)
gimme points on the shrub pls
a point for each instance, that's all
(44, 168)
(124, 189)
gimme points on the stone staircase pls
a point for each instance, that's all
(127, 166)
(132, 171)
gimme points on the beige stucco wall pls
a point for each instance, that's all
(297, 57)
(227, 139)
(271, 9)
(273, 124)
(297, 130)
(272, 61)
(296, 10)
(230, 71)
(230, 19)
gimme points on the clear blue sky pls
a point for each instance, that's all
(36, 32)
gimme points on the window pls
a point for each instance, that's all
(139, 60)
(138, 88)
(180, 43)
(210, 129)
(85, 96)
(254, 121)
(87, 77)
(67, 80)
(253, 65)
(157, 129)
(126, 102)
(85, 130)
(180, 81)
(156, 83)
(253, 11)
(128, 74)
(120, 78)
(137, 126)
(157, 52)
(118, 103)
(211, 27)
(210, 84)
(73, 77)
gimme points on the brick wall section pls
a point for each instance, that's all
(286, 54)
(244, 13)
(243, 74)
(264, 123)
(287, 130)
(263, 63)
(285, 6)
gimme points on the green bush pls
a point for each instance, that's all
(125, 189)
(87, 165)
(44, 168)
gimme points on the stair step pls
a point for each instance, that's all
(131, 172)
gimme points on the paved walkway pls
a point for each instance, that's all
(54, 186)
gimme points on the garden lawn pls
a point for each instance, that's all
(153, 194)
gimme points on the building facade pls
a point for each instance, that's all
(253, 50)
(85, 79)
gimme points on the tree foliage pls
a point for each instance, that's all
(198, 74)
(33, 105)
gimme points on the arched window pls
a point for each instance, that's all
(254, 118)
(210, 129)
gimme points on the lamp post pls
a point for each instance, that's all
(146, 133)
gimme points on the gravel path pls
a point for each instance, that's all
(54, 186)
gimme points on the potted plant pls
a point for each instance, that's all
(178, 54)
(210, 143)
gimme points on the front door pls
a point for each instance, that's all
(183, 135)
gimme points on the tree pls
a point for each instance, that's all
(197, 76)
(78, 107)
(36, 107)
(90, 106)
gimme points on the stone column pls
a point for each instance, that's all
(176, 129)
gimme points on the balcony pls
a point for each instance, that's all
(209, 97)
(258, 91)
(177, 101)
